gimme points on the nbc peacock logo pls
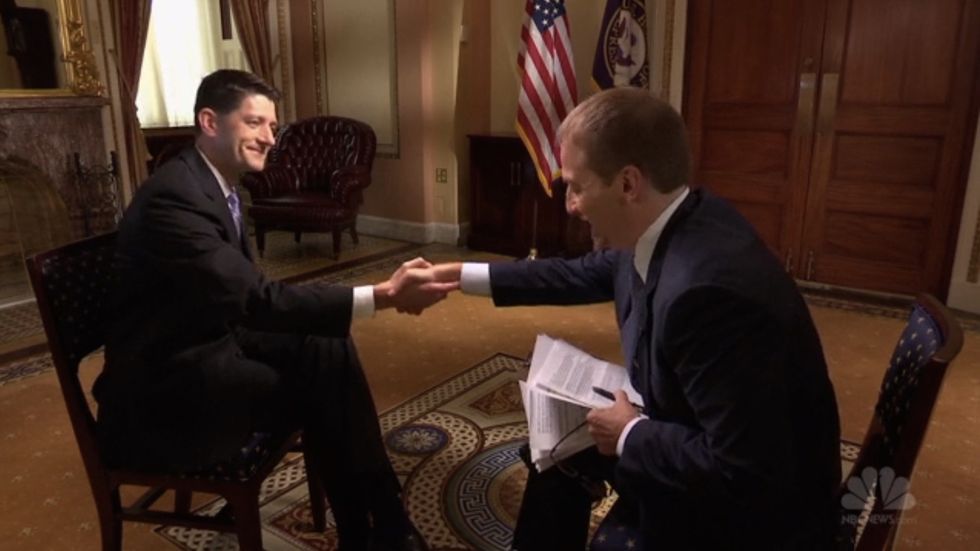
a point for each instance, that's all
(893, 491)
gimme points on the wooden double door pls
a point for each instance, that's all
(840, 129)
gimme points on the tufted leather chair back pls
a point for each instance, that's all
(876, 491)
(312, 149)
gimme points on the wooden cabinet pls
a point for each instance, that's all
(840, 128)
(510, 212)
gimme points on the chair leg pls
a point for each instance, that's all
(110, 525)
(182, 501)
(248, 523)
(314, 485)
(260, 239)
(353, 233)
(296, 237)
(336, 244)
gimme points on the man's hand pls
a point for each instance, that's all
(449, 272)
(413, 287)
(606, 424)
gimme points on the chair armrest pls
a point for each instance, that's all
(271, 182)
(346, 184)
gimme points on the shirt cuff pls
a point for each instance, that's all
(474, 279)
(626, 432)
(363, 302)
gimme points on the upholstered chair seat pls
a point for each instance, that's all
(244, 464)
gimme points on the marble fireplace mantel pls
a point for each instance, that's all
(41, 135)
(48, 131)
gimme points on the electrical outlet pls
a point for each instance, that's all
(442, 175)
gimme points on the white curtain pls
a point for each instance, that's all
(183, 45)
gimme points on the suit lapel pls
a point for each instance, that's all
(638, 328)
(246, 245)
(212, 190)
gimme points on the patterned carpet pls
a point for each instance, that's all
(455, 448)
(45, 502)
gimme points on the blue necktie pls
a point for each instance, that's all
(234, 205)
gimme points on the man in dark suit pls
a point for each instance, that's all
(203, 351)
(739, 445)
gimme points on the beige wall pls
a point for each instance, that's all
(356, 89)
(403, 188)
(473, 94)
(964, 293)
(397, 190)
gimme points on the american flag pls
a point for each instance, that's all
(547, 84)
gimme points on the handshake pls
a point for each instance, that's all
(416, 285)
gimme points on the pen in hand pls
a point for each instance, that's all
(609, 395)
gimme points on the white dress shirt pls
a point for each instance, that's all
(363, 306)
(475, 277)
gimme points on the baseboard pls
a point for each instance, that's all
(851, 293)
(413, 232)
(964, 296)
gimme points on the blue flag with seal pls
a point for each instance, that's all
(621, 54)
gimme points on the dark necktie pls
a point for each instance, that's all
(234, 205)
(635, 320)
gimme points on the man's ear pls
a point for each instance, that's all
(632, 182)
(207, 119)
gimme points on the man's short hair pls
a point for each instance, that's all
(629, 126)
(224, 90)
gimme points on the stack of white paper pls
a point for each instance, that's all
(559, 393)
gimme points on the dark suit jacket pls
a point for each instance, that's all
(175, 392)
(742, 448)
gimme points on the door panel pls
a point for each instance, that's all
(890, 137)
(749, 105)
(888, 159)
(770, 42)
(900, 53)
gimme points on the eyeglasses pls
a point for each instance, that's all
(596, 489)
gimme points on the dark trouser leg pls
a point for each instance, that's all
(325, 392)
(556, 507)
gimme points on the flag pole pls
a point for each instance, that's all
(547, 93)
(533, 253)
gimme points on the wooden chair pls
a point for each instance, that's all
(874, 494)
(72, 285)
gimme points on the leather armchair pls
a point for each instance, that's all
(313, 179)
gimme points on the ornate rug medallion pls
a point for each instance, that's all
(455, 448)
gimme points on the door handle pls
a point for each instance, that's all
(828, 102)
(805, 103)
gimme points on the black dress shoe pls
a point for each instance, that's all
(410, 540)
